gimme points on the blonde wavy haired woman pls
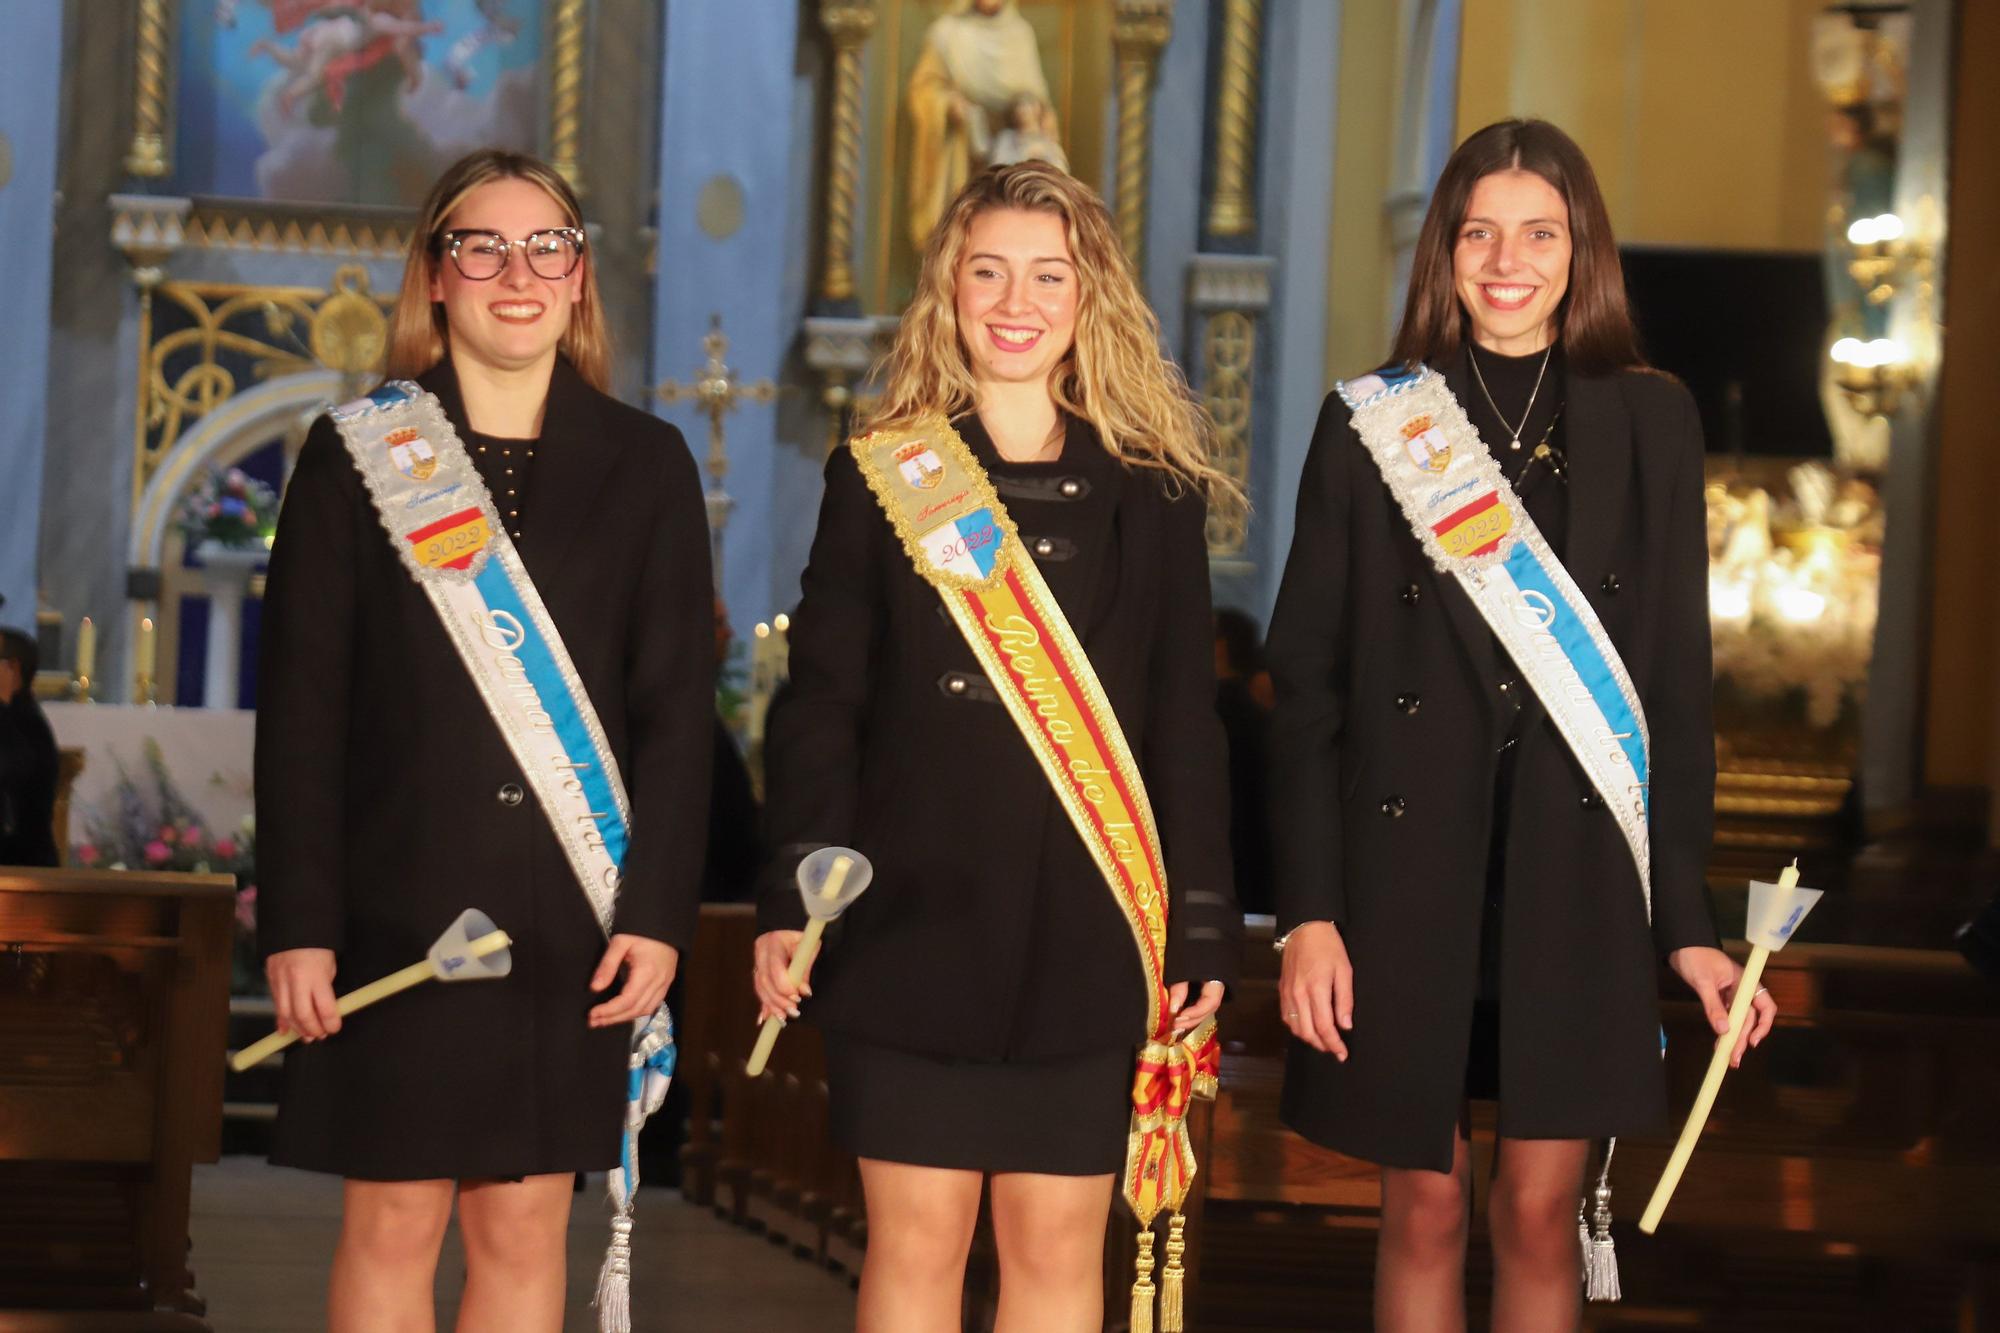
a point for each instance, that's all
(982, 1002)
(388, 799)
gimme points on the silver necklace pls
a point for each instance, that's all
(1514, 431)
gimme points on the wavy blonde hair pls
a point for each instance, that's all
(1114, 375)
(418, 334)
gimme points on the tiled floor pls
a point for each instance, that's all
(263, 1239)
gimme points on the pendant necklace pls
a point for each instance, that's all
(1514, 431)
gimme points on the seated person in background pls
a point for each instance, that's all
(27, 759)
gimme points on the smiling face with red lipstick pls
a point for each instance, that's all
(1016, 295)
(1510, 263)
(512, 321)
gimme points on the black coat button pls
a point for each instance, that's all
(509, 794)
(1412, 594)
(1394, 807)
(1409, 703)
(1610, 585)
(1591, 801)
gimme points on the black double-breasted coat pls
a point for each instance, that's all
(988, 932)
(1385, 744)
(388, 802)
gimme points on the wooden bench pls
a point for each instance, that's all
(114, 992)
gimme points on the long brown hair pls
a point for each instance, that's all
(1114, 375)
(418, 334)
(1593, 320)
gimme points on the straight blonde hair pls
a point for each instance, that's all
(418, 333)
(1114, 376)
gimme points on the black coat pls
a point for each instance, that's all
(1382, 807)
(30, 771)
(387, 801)
(988, 931)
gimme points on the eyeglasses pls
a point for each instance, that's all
(482, 255)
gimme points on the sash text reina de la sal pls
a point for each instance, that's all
(1019, 641)
(500, 631)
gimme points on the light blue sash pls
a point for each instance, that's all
(448, 535)
(1473, 527)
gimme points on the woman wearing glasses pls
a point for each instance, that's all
(1488, 834)
(392, 789)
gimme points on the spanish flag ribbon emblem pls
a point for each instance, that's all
(1475, 529)
(452, 541)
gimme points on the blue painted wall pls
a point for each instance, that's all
(731, 95)
(30, 109)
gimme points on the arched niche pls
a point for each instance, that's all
(245, 423)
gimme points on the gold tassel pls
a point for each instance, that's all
(1173, 1280)
(1142, 1290)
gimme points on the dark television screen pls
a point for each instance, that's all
(1751, 321)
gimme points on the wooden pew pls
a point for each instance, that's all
(113, 1004)
(1859, 1139)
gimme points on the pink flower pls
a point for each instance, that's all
(191, 839)
(225, 848)
(215, 511)
(167, 834)
(86, 854)
(157, 853)
(246, 908)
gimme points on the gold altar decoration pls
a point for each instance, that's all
(566, 50)
(151, 67)
(1232, 208)
(1140, 30)
(1229, 349)
(1794, 577)
(184, 374)
(716, 392)
(343, 233)
(848, 24)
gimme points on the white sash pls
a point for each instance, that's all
(448, 535)
(1474, 528)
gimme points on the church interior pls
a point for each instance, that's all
(208, 204)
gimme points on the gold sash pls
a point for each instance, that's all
(964, 544)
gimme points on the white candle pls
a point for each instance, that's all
(148, 654)
(86, 649)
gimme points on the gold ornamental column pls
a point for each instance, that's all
(839, 342)
(1232, 207)
(848, 24)
(566, 58)
(1139, 32)
(152, 79)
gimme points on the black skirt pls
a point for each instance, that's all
(1065, 1117)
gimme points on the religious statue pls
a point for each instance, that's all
(976, 97)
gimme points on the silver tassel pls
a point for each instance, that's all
(614, 1280)
(1600, 1260)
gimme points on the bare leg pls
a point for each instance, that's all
(1420, 1256)
(1537, 1264)
(386, 1260)
(515, 1256)
(1050, 1234)
(920, 1221)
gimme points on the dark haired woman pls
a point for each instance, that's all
(508, 493)
(1492, 752)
